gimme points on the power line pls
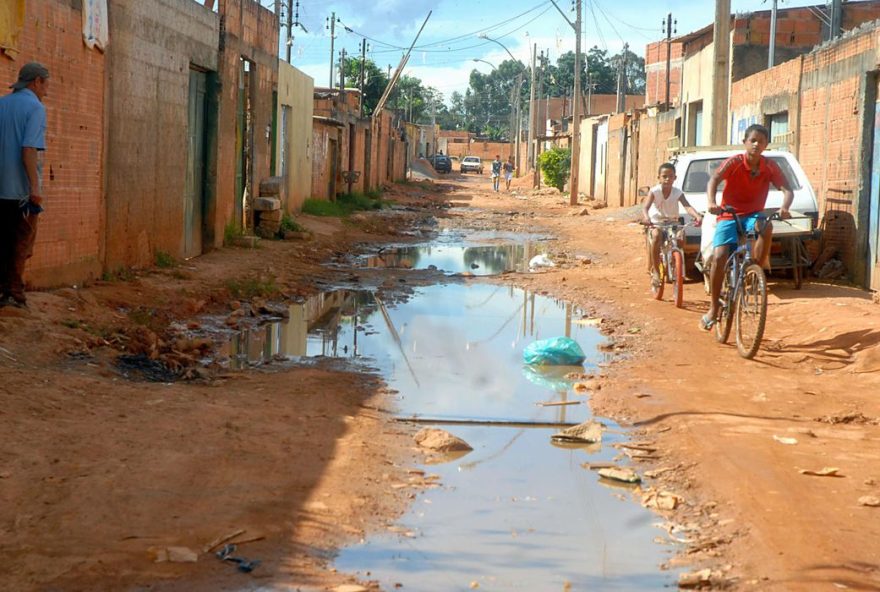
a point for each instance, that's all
(425, 48)
(631, 26)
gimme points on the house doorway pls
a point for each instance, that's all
(873, 263)
(194, 195)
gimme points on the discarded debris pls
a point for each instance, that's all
(222, 539)
(622, 474)
(870, 501)
(557, 403)
(539, 261)
(141, 366)
(174, 554)
(242, 564)
(557, 351)
(350, 588)
(695, 579)
(856, 417)
(823, 472)
(657, 472)
(785, 440)
(660, 500)
(589, 432)
(440, 441)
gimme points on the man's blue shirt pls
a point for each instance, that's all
(22, 125)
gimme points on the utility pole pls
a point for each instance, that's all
(331, 26)
(342, 56)
(836, 19)
(721, 80)
(771, 52)
(576, 107)
(621, 80)
(289, 25)
(576, 112)
(539, 132)
(363, 66)
(669, 31)
(532, 115)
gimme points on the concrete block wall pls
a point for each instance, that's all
(655, 134)
(248, 31)
(153, 45)
(69, 241)
(296, 91)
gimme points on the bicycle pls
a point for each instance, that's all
(743, 294)
(671, 259)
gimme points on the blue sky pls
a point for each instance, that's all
(445, 51)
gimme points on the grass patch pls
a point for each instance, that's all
(141, 316)
(344, 204)
(252, 287)
(231, 232)
(72, 323)
(288, 224)
(165, 260)
(120, 274)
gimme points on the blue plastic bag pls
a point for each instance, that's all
(558, 351)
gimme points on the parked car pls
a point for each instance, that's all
(471, 164)
(693, 171)
(441, 163)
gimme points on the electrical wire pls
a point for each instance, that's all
(424, 47)
(638, 30)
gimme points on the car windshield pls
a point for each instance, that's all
(700, 171)
(471, 159)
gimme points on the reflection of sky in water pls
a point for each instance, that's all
(517, 514)
(460, 352)
(476, 259)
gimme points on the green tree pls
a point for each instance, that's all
(634, 72)
(555, 166)
(375, 81)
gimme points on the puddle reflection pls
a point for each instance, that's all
(475, 259)
(516, 513)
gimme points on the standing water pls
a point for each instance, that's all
(516, 513)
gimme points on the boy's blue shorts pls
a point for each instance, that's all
(725, 230)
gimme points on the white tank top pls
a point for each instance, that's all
(664, 207)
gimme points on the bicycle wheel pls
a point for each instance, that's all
(726, 305)
(657, 287)
(677, 273)
(751, 311)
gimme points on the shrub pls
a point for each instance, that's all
(555, 166)
(231, 232)
(344, 204)
(288, 224)
(165, 260)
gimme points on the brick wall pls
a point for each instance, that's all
(655, 72)
(655, 135)
(836, 124)
(68, 248)
(153, 45)
(765, 93)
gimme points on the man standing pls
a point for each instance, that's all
(22, 137)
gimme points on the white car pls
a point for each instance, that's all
(693, 171)
(471, 163)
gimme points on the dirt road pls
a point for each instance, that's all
(101, 474)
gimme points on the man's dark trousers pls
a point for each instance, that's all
(17, 236)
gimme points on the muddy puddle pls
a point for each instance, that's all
(516, 513)
(483, 254)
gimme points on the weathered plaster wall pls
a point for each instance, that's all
(296, 91)
(152, 48)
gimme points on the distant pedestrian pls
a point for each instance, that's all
(22, 138)
(508, 172)
(496, 172)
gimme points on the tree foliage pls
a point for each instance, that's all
(555, 166)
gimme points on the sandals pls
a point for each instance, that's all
(706, 322)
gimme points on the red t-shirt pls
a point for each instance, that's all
(747, 192)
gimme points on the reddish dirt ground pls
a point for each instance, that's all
(98, 472)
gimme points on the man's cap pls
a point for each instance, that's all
(28, 73)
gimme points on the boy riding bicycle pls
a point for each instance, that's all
(662, 204)
(748, 177)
